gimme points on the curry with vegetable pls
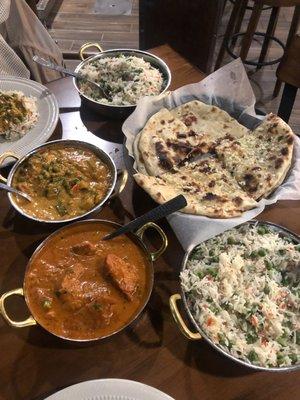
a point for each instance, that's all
(80, 287)
(63, 182)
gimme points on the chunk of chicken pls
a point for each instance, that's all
(123, 275)
(79, 291)
(84, 249)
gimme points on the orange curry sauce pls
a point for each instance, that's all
(80, 287)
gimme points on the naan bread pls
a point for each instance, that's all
(210, 123)
(137, 155)
(164, 142)
(208, 188)
(260, 160)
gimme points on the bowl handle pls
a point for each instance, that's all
(178, 319)
(16, 324)
(123, 177)
(4, 156)
(140, 233)
(88, 45)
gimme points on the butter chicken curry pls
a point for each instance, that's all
(80, 287)
(63, 182)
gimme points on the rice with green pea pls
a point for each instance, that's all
(18, 114)
(243, 289)
(124, 78)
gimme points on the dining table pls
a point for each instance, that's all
(35, 364)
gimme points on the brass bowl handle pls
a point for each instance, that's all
(123, 177)
(178, 319)
(87, 46)
(140, 233)
(4, 156)
(16, 324)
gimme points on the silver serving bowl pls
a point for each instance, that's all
(116, 111)
(200, 333)
(104, 157)
(136, 237)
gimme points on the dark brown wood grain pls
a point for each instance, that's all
(34, 364)
(288, 69)
(190, 27)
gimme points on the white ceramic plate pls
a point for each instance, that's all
(48, 115)
(110, 389)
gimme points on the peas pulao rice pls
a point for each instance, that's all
(243, 289)
(18, 114)
(124, 78)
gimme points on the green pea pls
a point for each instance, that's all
(293, 358)
(262, 230)
(230, 240)
(280, 359)
(262, 252)
(252, 356)
(268, 264)
(251, 337)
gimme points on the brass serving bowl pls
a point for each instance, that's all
(116, 111)
(200, 333)
(137, 237)
(102, 155)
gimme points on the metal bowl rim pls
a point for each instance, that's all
(164, 68)
(202, 332)
(93, 221)
(70, 142)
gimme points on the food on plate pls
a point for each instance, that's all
(208, 188)
(172, 136)
(243, 288)
(253, 163)
(63, 182)
(209, 123)
(260, 161)
(124, 78)
(81, 287)
(164, 142)
(18, 114)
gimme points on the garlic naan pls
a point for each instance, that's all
(208, 188)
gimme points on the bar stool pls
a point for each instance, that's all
(288, 71)
(235, 22)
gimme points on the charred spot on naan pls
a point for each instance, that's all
(162, 155)
(278, 162)
(251, 182)
(189, 119)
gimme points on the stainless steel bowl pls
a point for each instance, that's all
(136, 237)
(200, 333)
(67, 143)
(113, 111)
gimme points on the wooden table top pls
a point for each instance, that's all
(34, 364)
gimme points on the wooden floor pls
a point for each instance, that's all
(75, 23)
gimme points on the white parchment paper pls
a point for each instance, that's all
(229, 89)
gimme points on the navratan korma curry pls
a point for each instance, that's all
(64, 182)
